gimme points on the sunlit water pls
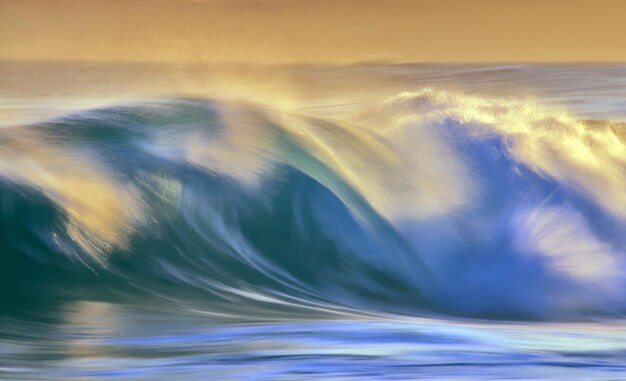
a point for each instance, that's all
(312, 222)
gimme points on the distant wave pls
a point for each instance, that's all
(428, 202)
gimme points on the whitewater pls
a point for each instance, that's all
(432, 229)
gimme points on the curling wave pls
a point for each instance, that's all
(429, 201)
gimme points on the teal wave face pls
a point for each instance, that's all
(429, 203)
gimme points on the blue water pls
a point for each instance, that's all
(350, 222)
(439, 349)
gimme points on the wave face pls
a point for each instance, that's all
(429, 202)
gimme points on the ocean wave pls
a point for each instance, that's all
(427, 202)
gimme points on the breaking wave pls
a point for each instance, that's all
(429, 202)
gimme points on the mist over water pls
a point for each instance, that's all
(303, 222)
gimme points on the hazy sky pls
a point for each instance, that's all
(314, 31)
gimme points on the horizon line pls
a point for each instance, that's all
(312, 63)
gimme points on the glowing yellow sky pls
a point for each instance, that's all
(267, 31)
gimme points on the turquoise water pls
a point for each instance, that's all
(312, 222)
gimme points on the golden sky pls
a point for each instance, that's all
(285, 31)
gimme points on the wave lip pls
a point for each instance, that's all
(429, 201)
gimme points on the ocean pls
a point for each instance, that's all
(300, 222)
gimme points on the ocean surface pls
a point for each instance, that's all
(300, 222)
